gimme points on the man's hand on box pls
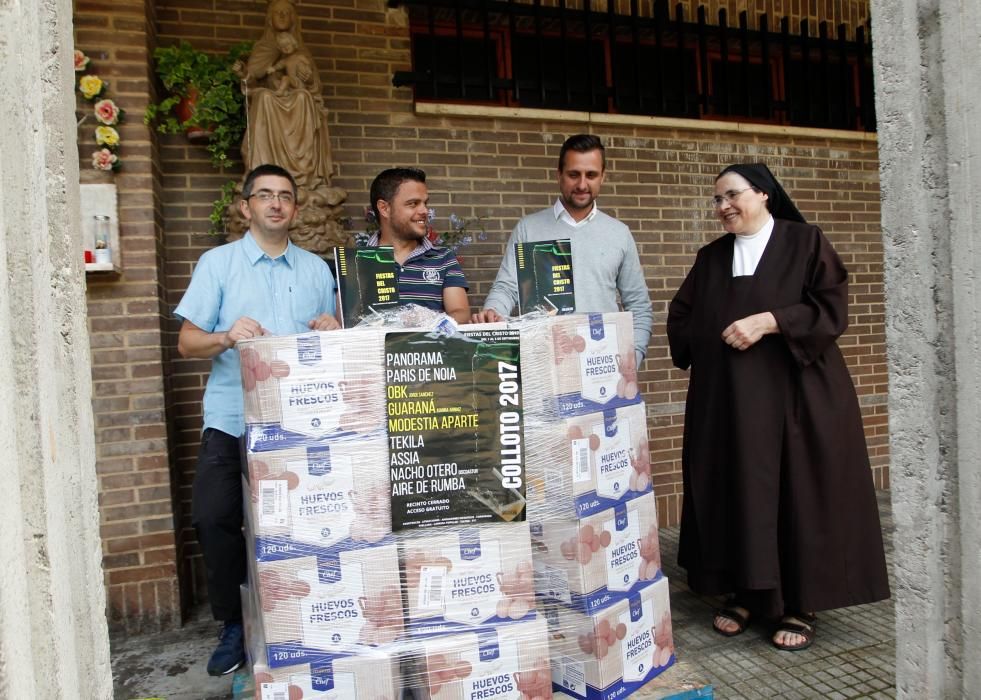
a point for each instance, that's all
(486, 316)
(243, 329)
(324, 322)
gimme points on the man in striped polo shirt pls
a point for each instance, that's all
(428, 276)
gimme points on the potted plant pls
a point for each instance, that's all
(205, 102)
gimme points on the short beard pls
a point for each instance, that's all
(406, 233)
(571, 204)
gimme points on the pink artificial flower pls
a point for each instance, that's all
(107, 112)
(81, 61)
(104, 159)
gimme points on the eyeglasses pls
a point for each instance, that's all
(265, 196)
(730, 196)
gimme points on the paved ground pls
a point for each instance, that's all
(852, 657)
(169, 666)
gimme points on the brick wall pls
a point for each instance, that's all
(501, 166)
(125, 321)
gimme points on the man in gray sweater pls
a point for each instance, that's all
(604, 255)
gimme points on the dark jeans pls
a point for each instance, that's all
(216, 512)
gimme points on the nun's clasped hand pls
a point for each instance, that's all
(746, 332)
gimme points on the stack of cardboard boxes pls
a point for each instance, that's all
(324, 575)
(339, 606)
(591, 506)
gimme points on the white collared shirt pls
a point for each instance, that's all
(561, 214)
(747, 250)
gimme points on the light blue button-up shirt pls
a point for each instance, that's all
(238, 279)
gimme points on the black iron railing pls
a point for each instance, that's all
(655, 62)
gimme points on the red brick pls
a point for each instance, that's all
(159, 556)
(112, 530)
(141, 478)
(115, 498)
(143, 573)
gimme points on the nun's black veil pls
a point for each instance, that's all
(780, 204)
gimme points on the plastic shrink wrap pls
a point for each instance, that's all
(449, 513)
(616, 651)
(588, 463)
(372, 674)
(591, 563)
(583, 363)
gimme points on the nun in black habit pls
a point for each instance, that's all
(779, 506)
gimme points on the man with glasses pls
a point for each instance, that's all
(259, 285)
(605, 263)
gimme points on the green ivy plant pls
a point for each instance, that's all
(217, 216)
(219, 106)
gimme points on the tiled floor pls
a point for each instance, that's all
(852, 657)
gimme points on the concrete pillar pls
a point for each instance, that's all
(928, 100)
(53, 635)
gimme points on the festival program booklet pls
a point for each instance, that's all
(545, 277)
(367, 279)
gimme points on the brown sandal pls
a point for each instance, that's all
(802, 624)
(733, 613)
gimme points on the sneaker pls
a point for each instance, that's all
(230, 652)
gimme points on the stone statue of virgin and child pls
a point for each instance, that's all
(287, 126)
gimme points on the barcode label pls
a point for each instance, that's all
(558, 586)
(275, 691)
(431, 586)
(580, 461)
(570, 674)
(273, 503)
